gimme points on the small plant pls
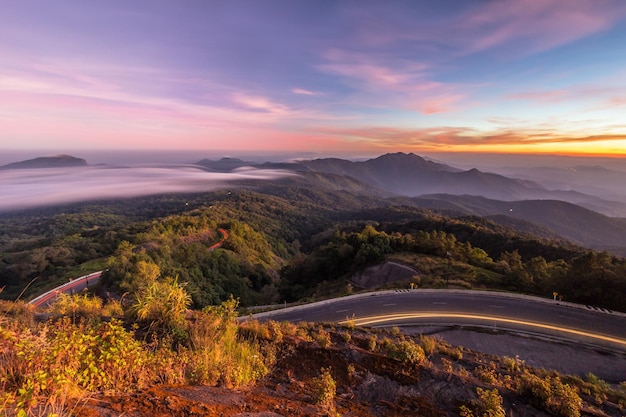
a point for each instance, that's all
(452, 352)
(512, 364)
(489, 404)
(551, 395)
(351, 369)
(324, 388)
(162, 305)
(486, 373)
(349, 323)
(322, 337)
(408, 353)
(77, 305)
(372, 341)
(428, 344)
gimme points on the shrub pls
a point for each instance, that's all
(488, 405)
(408, 353)
(77, 305)
(428, 344)
(219, 354)
(162, 305)
(452, 352)
(371, 343)
(551, 395)
(324, 388)
(486, 374)
(322, 337)
(512, 364)
(54, 362)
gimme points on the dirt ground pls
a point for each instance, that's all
(564, 357)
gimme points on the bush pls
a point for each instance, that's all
(324, 388)
(512, 364)
(77, 305)
(488, 405)
(428, 344)
(162, 305)
(46, 366)
(551, 395)
(371, 343)
(408, 353)
(219, 354)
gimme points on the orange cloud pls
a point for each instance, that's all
(462, 139)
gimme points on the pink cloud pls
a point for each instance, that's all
(400, 83)
(302, 91)
(540, 24)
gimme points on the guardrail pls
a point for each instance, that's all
(48, 296)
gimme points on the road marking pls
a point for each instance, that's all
(341, 311)
(568, 317)
(364, 321)
(390, 304)
(440, 303)
(497, 306)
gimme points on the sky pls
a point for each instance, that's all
(351, 76)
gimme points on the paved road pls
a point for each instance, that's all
(491, 309)
(74, 286)
(86, 281)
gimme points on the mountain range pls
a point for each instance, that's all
(411, 180)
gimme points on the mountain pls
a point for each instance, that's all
(57, 161)
(411, 175)
(594, 180)
(570, 221)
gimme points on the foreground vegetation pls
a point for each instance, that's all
(48, 368)
(80, 362)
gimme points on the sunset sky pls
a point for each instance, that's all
(529, 76)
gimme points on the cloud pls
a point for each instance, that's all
(260, 104)
(467, 139)
(394, 82)
(22, 188)
(535, 25)
(302, 91)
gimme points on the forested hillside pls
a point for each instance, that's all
(289, 241)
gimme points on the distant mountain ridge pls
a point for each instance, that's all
(570, 221)
(411, 175)
(56, 161)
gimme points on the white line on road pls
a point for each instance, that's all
(390, 304)
(341, 311)
(497, 306)
(441, 303)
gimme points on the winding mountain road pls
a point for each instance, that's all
(82, 283)
(469, 308)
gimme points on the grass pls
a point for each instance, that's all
(46, 367)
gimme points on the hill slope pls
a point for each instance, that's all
(570, 221)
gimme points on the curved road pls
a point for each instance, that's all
(82, 283)
(472, 308)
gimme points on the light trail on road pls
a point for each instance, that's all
(386, 318)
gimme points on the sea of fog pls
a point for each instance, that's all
(27, 188)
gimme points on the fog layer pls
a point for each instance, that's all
(25, 188)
